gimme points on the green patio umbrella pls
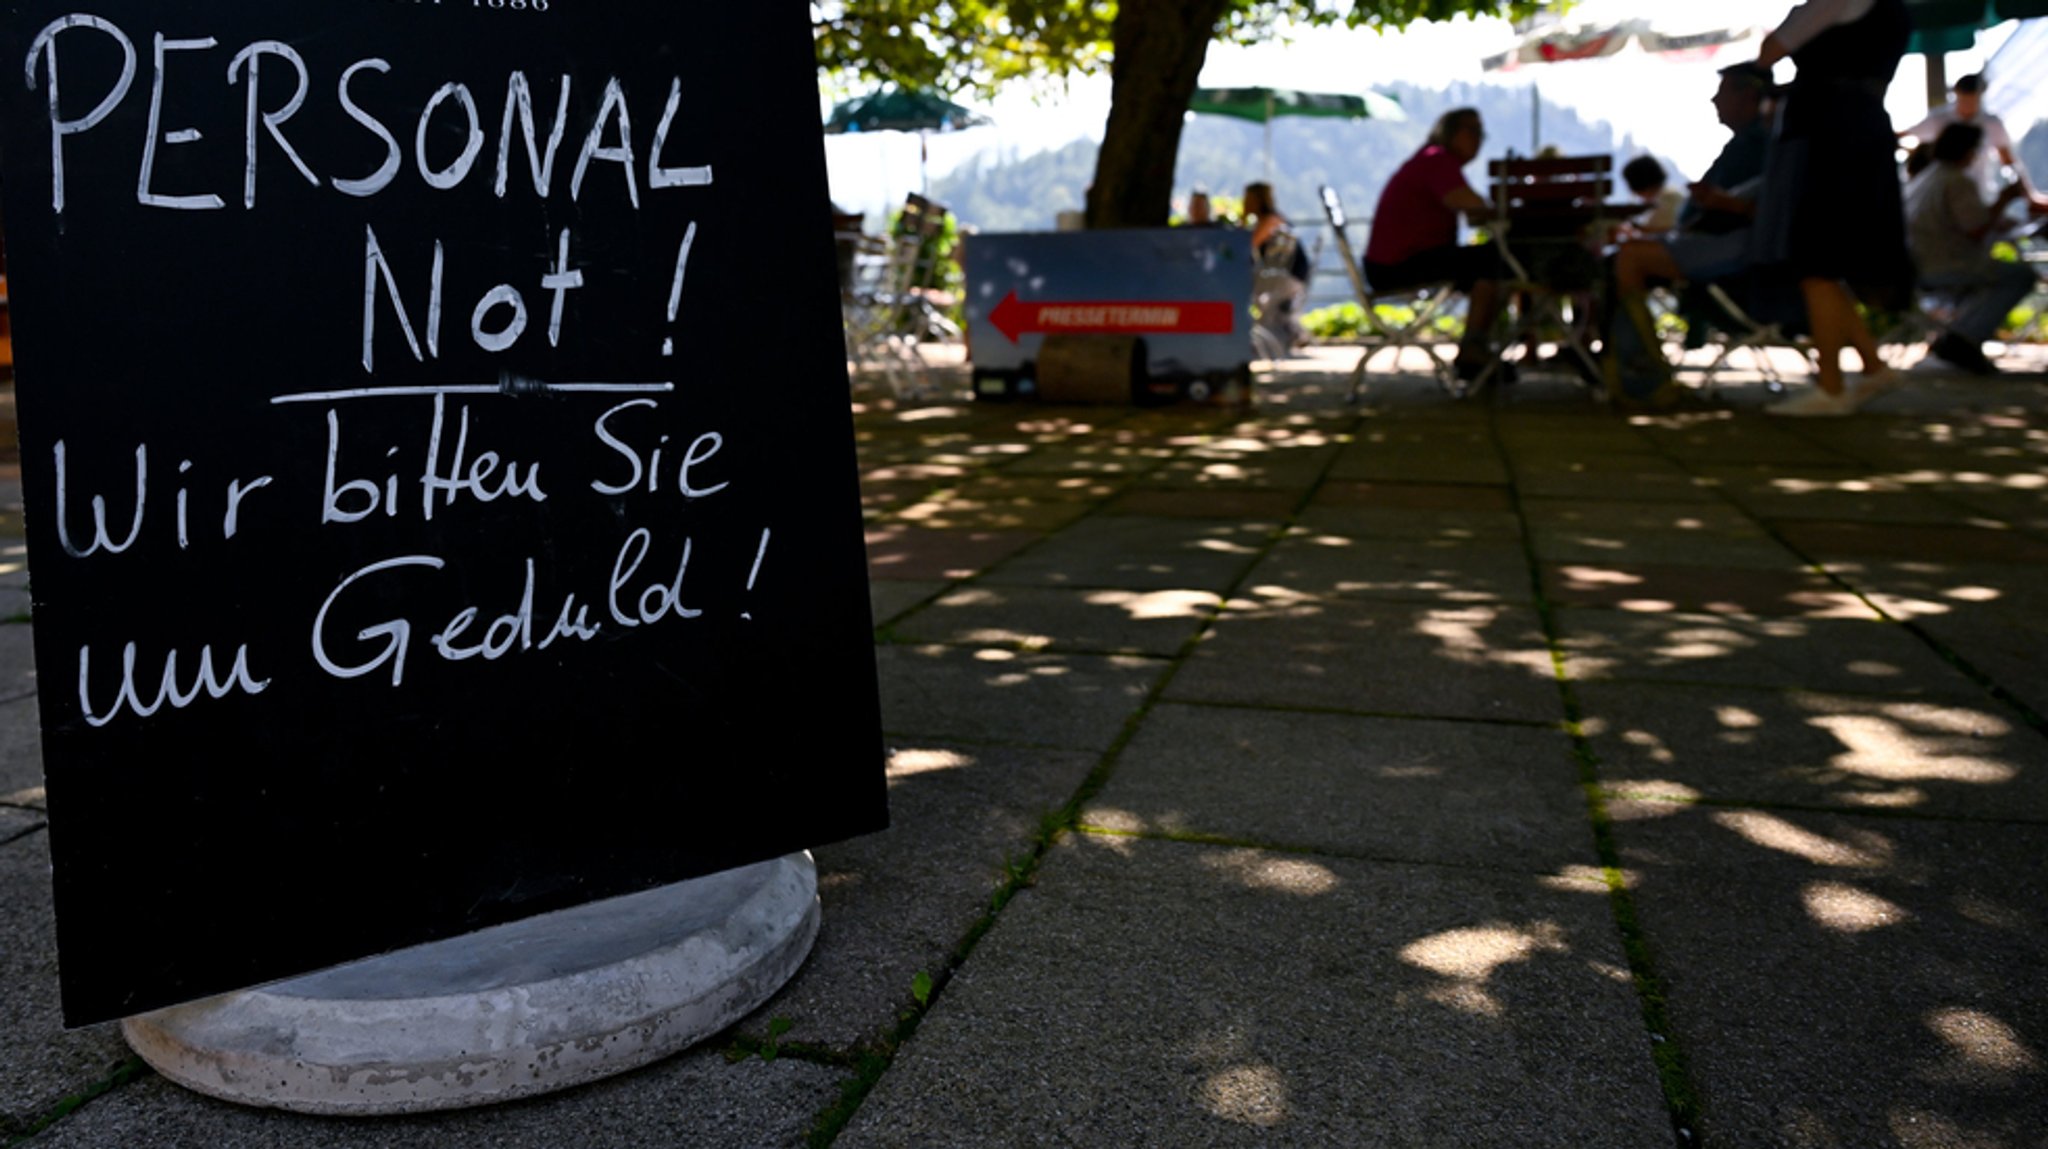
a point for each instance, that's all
(1951, 25)
(895, 109)
(1264, 105)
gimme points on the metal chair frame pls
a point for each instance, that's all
(1425, 303)
(1562, 196)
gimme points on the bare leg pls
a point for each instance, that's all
(1640, 261)
(1832, 315)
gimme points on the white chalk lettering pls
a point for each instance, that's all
(505, 336)
(475, 482)
(376, 267)
(272, 121)
(184, 537)
(388, 170)
(542, 163)
(454, 173)
(656, 601)
(648, 466)
(663, 177)
(101, 540)
(505, 631)
(169, 689)
(180, 136)
(45, 46)
(560, 281)
(331, 510)
(237, 491)
(620, 153)
(397, 632)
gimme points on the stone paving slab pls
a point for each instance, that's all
(1452, 458)
(41, 1063)
(1645, 481)
(1402, 523)
(1561, 543)
(1843, 980)
(1383, 788)
(1829, 541)
(1318, 564)
(1920, 589)
(954, 511)
(696, 1099)
(1664, 587)
(1829, 654)
(1105, 460)
(17, 661)
(1235, 472)
(896, 551)
(1629, 516)
(21, 754)
(1157, 993)
(2012, 652)
(1435, 497)
(1728, 438)
(1099, 620)
(898, 902)
(1381, 658)
(1160, 502)
(888, 598)
(1733, 744)
(1003, 487)
(1141, 553)
(2027, 510)
(1074, 701)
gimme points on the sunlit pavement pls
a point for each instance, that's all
(1411, 772)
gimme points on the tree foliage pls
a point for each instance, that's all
(1152, 49)
(957, 46)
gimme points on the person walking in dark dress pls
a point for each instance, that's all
(1831, 212)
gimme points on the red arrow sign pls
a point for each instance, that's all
(1107, 317)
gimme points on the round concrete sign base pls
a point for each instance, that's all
(514, 1010)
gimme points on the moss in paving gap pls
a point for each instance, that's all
(123, 1073)
(1674, 1075)
(1020, 872)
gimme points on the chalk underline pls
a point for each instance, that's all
(512, 386)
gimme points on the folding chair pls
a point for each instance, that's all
(1733, 328)
(1545, 212)
(1421, 304)
(893, 301)
(1276, 296)
(878, 305)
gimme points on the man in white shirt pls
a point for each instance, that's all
(1968, 108)
(1949, 227)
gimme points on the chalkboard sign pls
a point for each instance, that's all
(441, 494)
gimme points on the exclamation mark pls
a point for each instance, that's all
(756, 572)
(675, 290)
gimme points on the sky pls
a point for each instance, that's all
(1660, 101)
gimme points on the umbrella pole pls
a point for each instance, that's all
(1937, 79)
(1535, 118)
(924, 181)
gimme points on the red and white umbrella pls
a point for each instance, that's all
(1594, 29)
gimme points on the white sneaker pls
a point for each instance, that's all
(1815, 402)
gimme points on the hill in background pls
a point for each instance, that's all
(1354, 156)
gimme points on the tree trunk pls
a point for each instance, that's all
(1159, 47)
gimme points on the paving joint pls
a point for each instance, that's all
(1667, 1053)
(1021, 874)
